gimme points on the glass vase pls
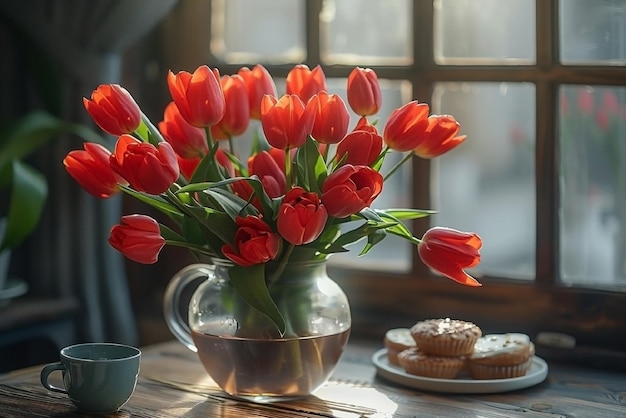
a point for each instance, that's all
(242, 350)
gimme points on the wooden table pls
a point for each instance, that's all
(172, 383)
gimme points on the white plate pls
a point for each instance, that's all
(536, 374)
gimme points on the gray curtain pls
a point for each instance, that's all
(69, 254)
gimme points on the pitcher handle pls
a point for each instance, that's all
(175, 322)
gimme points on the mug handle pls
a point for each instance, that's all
(175, 322)
(45, 373)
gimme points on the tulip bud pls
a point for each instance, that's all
(113, 109)
(364, 95)
(138, 237)
(449, 252)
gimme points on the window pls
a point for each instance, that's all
(538, 89)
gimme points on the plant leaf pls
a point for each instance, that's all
(372, 239)
(404, 214)
(251, 286)
(208, 169)
(28, 196)
(218, 225)
(156, 202)
(310, 168)
(35, 129)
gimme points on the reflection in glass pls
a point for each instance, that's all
(258, 31)
(593, 32)
(359, 31)
(487, 184)
(592, 133)
(484, 31)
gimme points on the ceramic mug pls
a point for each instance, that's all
(98, 377)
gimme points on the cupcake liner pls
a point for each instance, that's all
(482, 371)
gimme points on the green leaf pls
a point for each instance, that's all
(236, 204)
(233, 205)
(404, 214)
(28, 196)
(33, 130)
(310, 168)
(156, 202)
(219, 224)
(208, 169)
(372, 239)
(251, 286)
(153, 134)
(356, 234)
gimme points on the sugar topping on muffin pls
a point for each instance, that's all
(446, 337)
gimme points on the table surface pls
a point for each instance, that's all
(172, 383)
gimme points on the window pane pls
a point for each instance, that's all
(366, 31)
(484, 31)
(593, 184)
(393, 253)
(593, 32)
(258, 31)
(487, 184)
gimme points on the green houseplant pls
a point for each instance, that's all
(23, 189)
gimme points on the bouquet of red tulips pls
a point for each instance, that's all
(308, 174)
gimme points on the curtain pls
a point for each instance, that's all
(69, 254)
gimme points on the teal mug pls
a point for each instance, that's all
(97, 377)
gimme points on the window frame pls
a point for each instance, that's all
(383, 300)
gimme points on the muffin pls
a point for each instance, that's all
(501, 356)
(397, 340)
(446, 337)
(415, 361)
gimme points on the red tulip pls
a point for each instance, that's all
(138, 237)
(364, 125)
(364, 95)
(237, 111)
(199, 96)
(350, 189)
(279, 156)
(187, 166)
(187, 140)
(301, 217)
(331, 119)
(271, 173)
(90, 168)
(255, 243)
(360, 148)
(305, 83)
(440, 136)
(146, 168)
(449, 252)
(406, 126)
(113, 109)
(259, 82)
(286, 121)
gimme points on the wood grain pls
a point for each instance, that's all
(173, 383)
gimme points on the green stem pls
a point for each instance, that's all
(288, 168)
(407, 157)
(195, 248)
(209, 140)
(281, 265)
(231, 146)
